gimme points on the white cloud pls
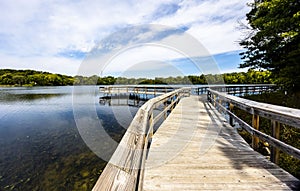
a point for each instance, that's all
(49, 64)
(213, 23)
(33, 33)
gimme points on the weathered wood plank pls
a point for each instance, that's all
(113, 174)
(226, 186)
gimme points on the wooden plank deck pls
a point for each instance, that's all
(194, 149)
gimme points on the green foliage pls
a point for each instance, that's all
(273, 40)
(197, 79)
(109, 80)
(33, 78)
(250, 77)
(36, 78)
(150, 81)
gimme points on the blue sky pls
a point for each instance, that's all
(57, 36)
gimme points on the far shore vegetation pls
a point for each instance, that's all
(10, 77)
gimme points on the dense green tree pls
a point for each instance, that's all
(273, 40)
(197, 79)
(19, 79)
(33, 78)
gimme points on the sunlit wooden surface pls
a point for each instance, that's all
(194, 149)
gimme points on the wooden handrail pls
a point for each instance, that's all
(137, 88)
(125, 170)
(277, 114)
(281, 114)
(233, 89)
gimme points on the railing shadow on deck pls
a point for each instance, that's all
(281, 114)
(239, 147)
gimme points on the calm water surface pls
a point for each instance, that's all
(40, 146)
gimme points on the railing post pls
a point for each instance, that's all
(214, 100)
(146, 91)
(165, 113)
(219, 104)
(172, 101)
(275, 134)
(255, 125)
(151, 125)
(208, 96)
(231, 106)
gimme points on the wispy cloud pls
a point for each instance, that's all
(164, 10)
(56, 35)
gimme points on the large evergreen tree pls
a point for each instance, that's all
(273, 40)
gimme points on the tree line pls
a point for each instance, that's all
(272, 40)
(11, 77)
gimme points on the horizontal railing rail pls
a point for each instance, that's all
(136, 89)
(125, 170)
(233, 89)
(277, 115)
(236, 89)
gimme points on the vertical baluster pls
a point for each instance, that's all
(255, 125)
(165, 113)
(214, 102)
(231, 106)
(220, 102)
(275, 134)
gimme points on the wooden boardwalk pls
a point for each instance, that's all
(194, 149)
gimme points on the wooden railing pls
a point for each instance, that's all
(277, 115)
(125, 170)
(235, 89)
(137, 89)
(155, 90)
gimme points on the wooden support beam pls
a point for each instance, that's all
(214, 98)
(172, 103)
(220, 102)
(255, 125)
(165, 106)
(275, 134)
(231, 106)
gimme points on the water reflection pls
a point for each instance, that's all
(25, 97)
(40, 147)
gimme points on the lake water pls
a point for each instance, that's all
(41, 147)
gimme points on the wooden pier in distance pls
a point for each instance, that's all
(196, 148)
(146, 92)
